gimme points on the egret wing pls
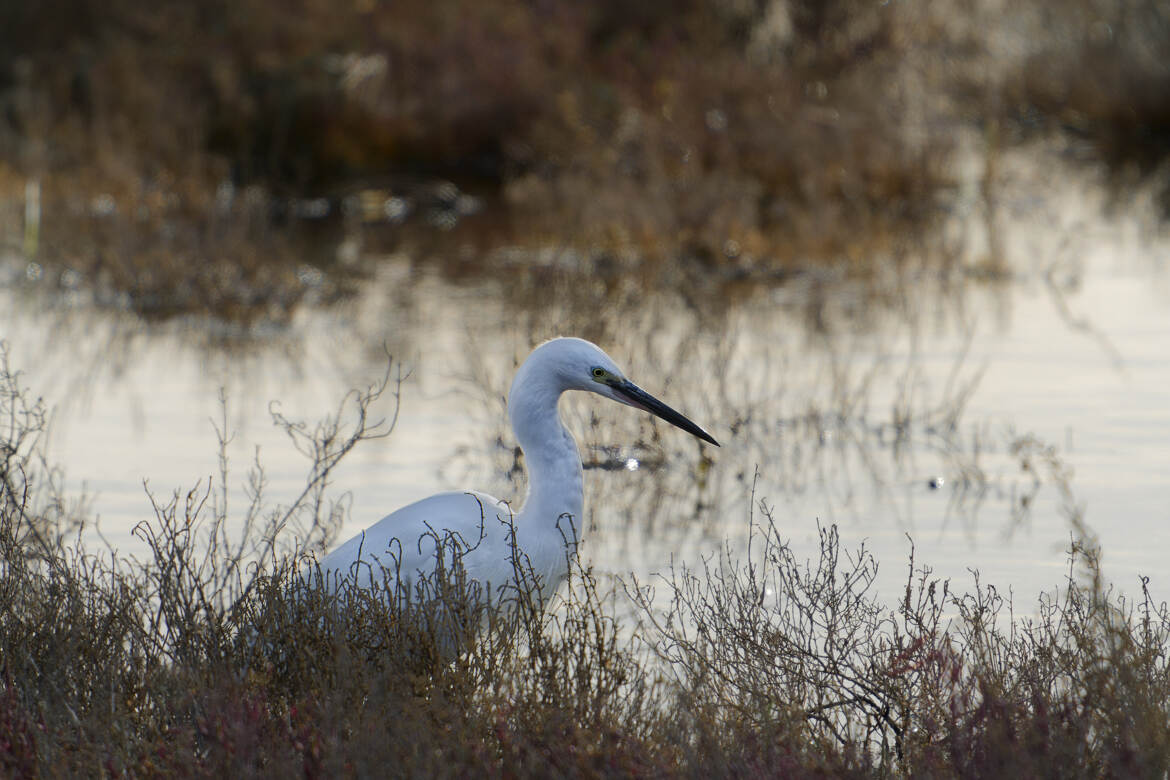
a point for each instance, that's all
(407, 542)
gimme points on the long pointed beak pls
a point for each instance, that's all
(630, 393)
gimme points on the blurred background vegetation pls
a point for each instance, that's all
(173, 145)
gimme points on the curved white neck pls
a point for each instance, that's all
(554, 464)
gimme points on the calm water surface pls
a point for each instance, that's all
(928, 417)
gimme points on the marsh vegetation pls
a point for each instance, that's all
(210, 656)
(907, 258)
(171, 157)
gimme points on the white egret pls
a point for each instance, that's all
(491, 540)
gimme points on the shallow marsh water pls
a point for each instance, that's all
(945, 414)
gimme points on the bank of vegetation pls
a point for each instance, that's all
(208, 656)
(168, 148)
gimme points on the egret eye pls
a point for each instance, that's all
(599, 373)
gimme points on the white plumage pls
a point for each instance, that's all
(494, 542)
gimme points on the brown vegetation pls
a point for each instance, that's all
(212, 657)
(170, 141)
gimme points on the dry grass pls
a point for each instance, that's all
(210, 658)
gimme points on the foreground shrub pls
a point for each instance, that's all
(946, 683)
(217, 659)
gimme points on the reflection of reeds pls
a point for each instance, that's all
(856, 425)
(215, 658)
(32, 218)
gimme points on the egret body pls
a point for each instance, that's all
(491, 538)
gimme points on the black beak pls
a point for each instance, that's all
(640, 399)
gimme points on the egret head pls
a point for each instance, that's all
(581, 365)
